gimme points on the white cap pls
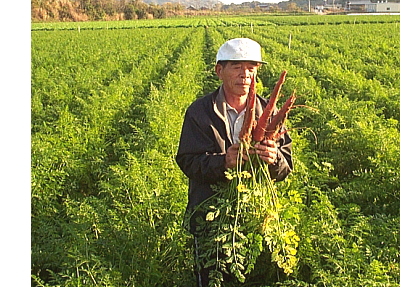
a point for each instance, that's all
(240, 49)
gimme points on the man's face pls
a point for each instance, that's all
(236, 76)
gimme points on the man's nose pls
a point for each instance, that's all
(245, 73)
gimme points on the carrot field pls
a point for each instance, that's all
(107, 105)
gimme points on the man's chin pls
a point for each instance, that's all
(245, 91)
(242, 91)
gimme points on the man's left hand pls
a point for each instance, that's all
(267, 151)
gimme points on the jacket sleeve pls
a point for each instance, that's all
(199, 155)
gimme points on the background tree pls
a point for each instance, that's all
(292, 7)
(130, 12)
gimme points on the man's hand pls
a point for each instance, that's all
(231, 157)
(267, 151)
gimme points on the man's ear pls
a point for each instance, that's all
(218, 68)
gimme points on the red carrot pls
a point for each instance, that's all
(259, 131)
(278, 120)
(249, 119)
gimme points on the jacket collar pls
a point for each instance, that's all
(220, 108)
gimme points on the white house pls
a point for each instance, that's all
(387, 7)
(368, 6)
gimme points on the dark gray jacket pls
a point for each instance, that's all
(204, 140)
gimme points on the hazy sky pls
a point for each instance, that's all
(240, 1)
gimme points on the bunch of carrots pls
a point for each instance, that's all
(257, 131)
(253, 177)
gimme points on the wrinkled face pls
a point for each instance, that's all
(236, 76)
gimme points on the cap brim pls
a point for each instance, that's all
(262, 62)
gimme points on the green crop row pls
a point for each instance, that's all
(216, 21)
(89, 121)
(107, 107)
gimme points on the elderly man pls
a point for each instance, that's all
(209, 142)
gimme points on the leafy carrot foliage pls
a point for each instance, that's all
(108, 198)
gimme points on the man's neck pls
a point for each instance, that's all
(237, 102)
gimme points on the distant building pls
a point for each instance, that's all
(264, 6)
(192, 8)
(319, 8)
(357, 5)
(368, 6)
(332, 6)
(384, 7)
